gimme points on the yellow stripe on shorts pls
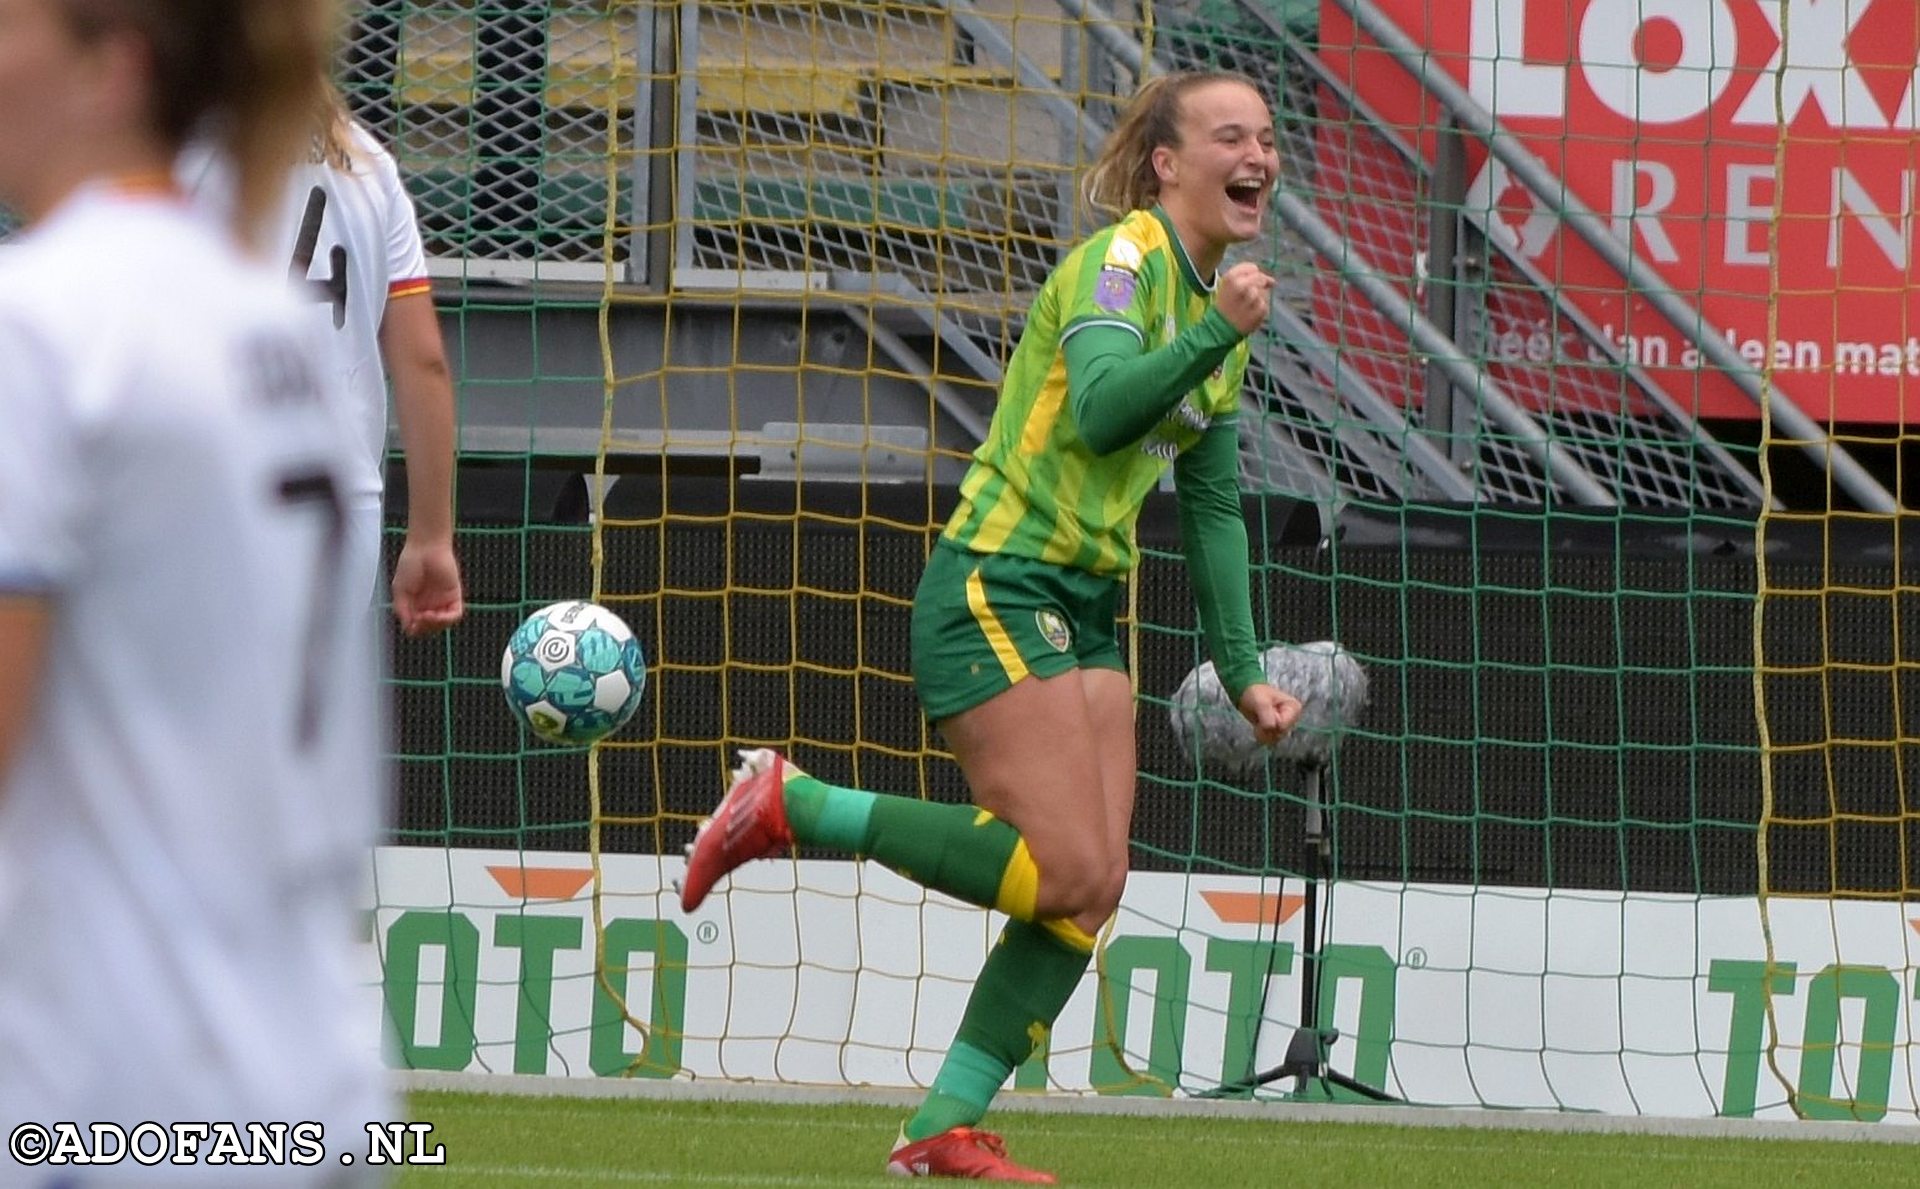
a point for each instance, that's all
(996, 633)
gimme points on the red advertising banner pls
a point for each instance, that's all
(1664, 118)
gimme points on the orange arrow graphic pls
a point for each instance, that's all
(540, 883)
(1252, 908)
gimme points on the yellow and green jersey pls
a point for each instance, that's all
(1036, 489)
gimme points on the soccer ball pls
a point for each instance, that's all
(573, 672)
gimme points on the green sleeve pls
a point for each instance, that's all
(1118, 392)
(1213, 534)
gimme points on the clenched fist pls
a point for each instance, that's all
(1270, 711)
(1242, 294)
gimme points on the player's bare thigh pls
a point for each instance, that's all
(1110, 704)
(1054, 757)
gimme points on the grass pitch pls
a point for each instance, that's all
(505, 1140)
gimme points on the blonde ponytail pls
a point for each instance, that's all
(333, 132)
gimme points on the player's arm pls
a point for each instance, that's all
(1213, 536)
(1118, 391)
(40, 497)
(24, 624)
(427, 593)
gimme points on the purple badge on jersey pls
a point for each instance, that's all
(1115, 289)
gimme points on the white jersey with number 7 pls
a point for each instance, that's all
(184, 827)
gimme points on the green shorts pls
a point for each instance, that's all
(982, 621)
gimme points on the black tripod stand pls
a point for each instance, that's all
(1306, 1055)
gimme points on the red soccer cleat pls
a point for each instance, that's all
(750, 823)
(962, 1152)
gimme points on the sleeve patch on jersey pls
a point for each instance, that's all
(409, 287)
(1115, 289)
(1123, 253)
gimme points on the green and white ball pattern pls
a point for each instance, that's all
(573, 672)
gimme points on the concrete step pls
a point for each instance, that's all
(572, 197)
(751, 57)
(968, 234)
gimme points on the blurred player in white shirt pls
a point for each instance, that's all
(345, 226)
(190, 726)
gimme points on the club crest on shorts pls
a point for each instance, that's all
(1053, 629)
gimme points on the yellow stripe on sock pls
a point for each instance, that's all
(996, 633)
(1070, 934)
(1019, 885)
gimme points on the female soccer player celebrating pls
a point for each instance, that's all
(1131, 360)
(190, 771)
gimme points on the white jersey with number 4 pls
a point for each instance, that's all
(351, 232)
(185, 823)
(349, 242)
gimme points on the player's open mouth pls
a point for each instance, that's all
(1246, 193)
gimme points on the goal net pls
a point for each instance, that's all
(1589, 461)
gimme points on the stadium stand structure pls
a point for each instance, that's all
(912, 165)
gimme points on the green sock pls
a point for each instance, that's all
(957, 849)
(822, 814)
(1027, 980)
(967, 1081)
